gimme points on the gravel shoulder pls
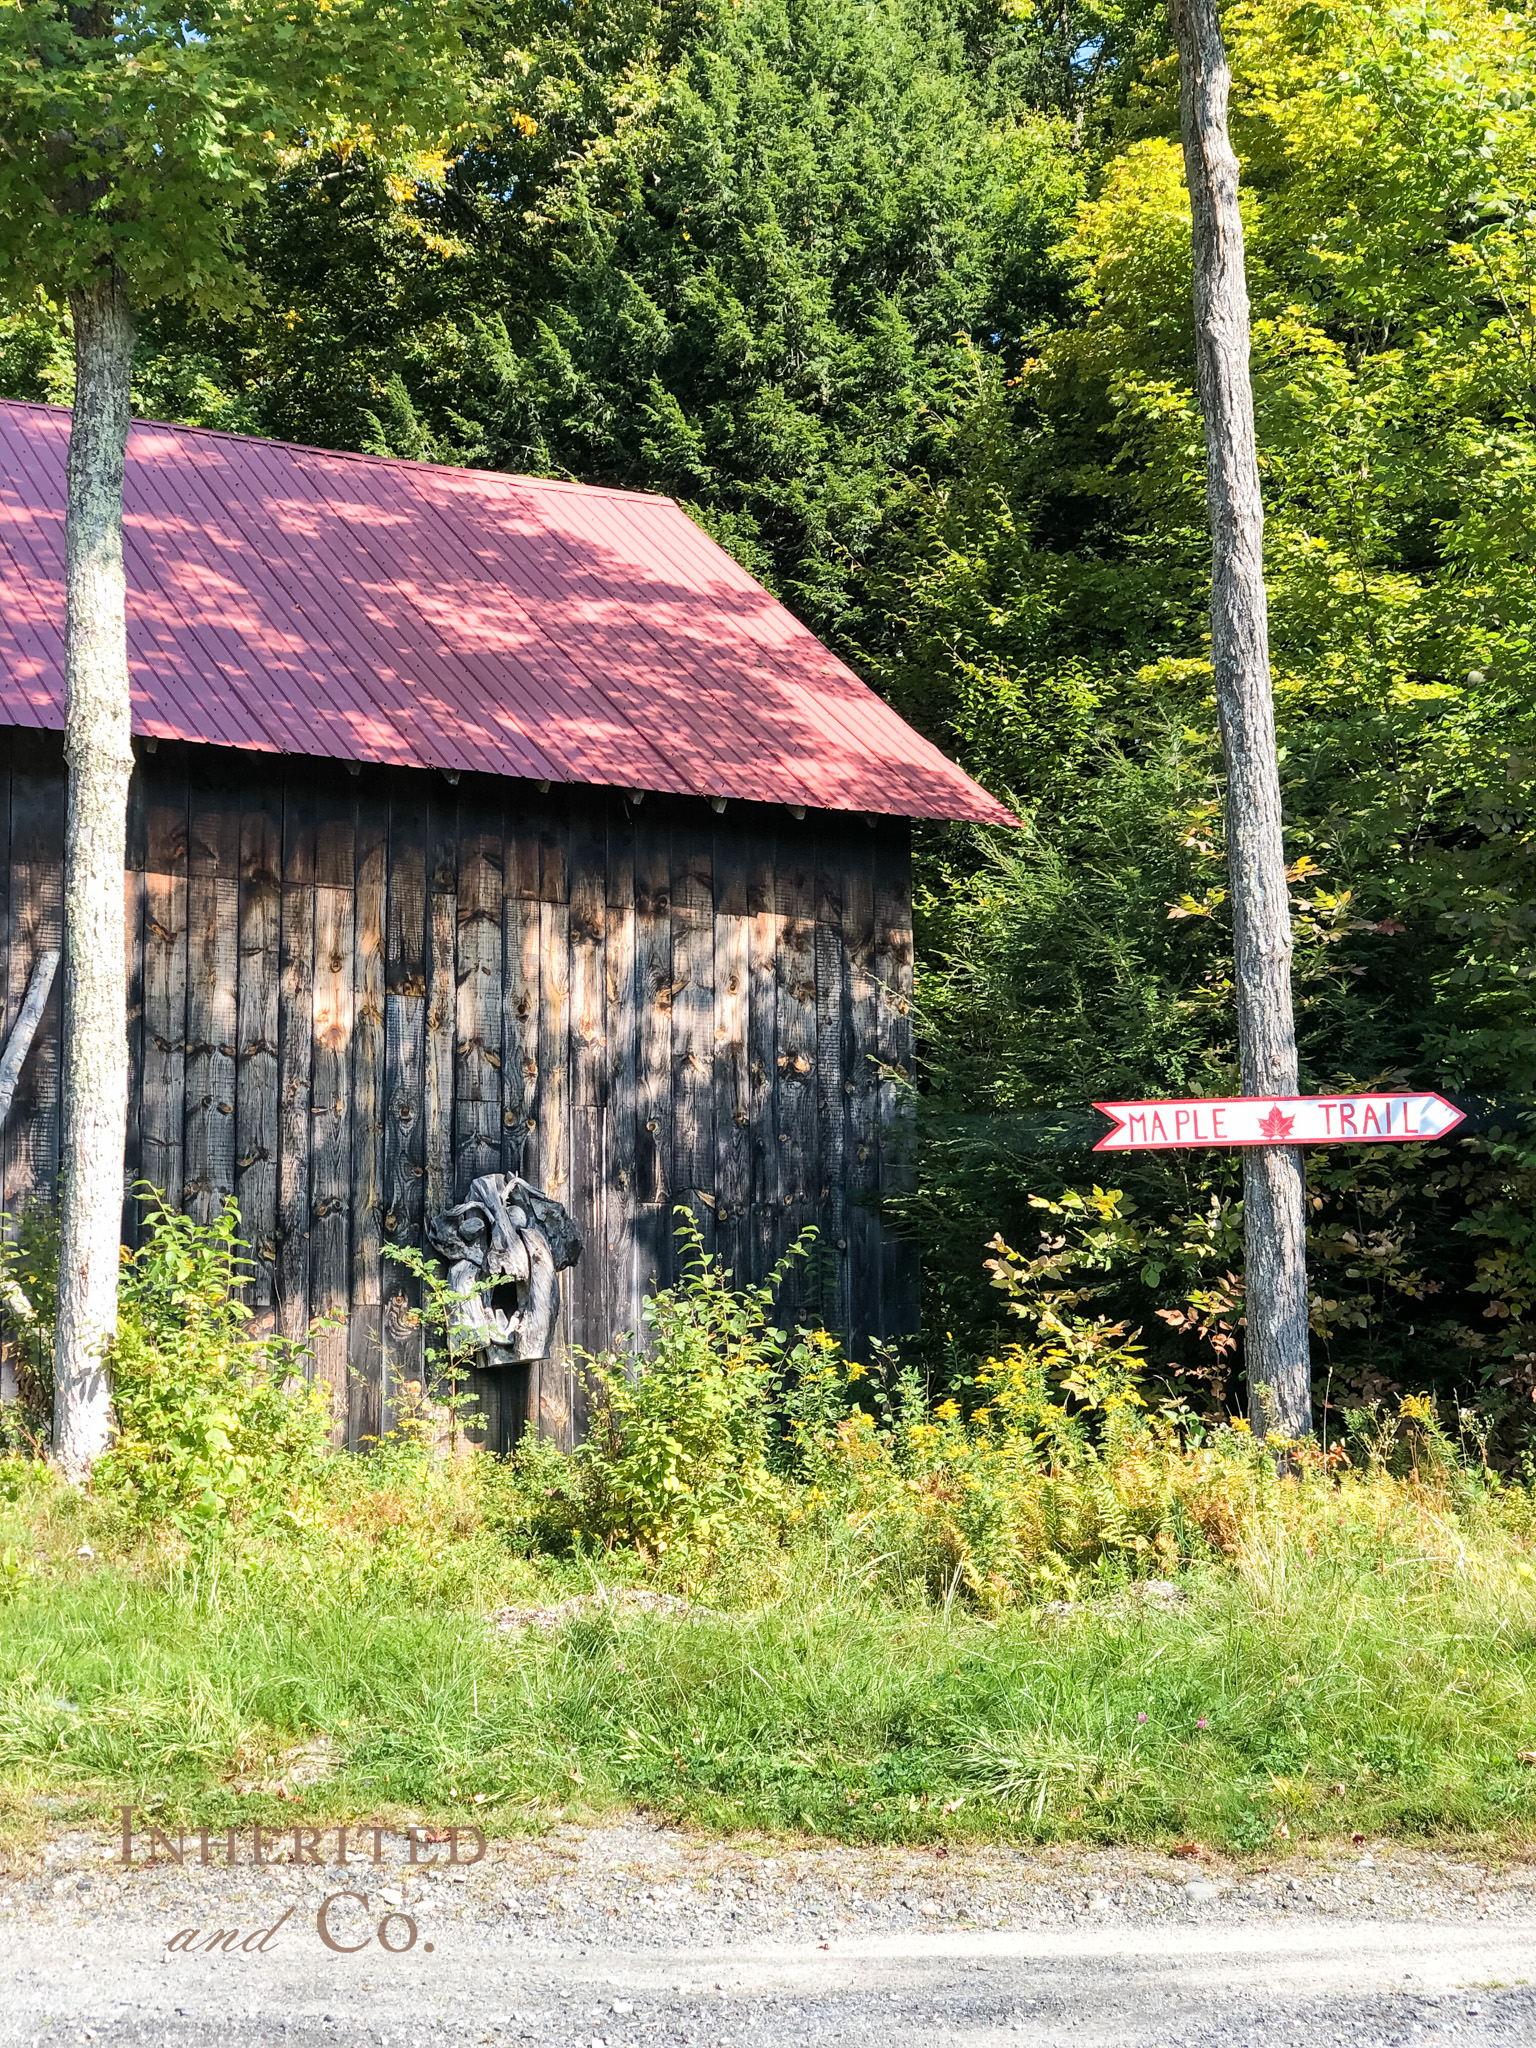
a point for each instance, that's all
(629, 1933)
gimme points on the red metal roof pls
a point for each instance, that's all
(305, 602)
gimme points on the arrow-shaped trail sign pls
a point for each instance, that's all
(1278, 1120)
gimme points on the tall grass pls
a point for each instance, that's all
(1313, 1686)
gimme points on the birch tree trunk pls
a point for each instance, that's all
(97, 748)
(1274, 1181)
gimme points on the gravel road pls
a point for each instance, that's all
(629, 1934)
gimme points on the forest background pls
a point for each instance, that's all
(894, 296)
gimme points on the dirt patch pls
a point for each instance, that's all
(624, 1600)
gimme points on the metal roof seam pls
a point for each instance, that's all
(215, 709)
(701, 705)
(532, 635)
(339, 668)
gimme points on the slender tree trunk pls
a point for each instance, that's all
(19, 1044)
(97, 747)
(1274, 1180)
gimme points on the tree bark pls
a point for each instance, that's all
(1274, 1181)
(98, 750)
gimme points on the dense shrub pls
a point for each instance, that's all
(681, 1435)
(734, 1442)
(730, 1452)
(213, 1424)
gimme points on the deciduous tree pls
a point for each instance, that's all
(130, 137)
(1278, 1353)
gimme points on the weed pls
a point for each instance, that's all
(441, 1401)
(211, 1424)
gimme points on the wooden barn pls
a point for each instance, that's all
(479, 825)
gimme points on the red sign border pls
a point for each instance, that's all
(1252, 1144)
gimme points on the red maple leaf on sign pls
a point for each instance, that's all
(1275, 1125)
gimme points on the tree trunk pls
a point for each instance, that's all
(97, 747)
(19, 1044)
(1274, 1179)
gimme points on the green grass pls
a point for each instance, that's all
(141, 1677)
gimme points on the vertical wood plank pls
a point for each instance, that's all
(765, 930)
(37, 923)
(588, 863)
(442, 999)
(365, 1363)
(521, 955)
(830, 1262)
(553, 817)
(895, 1108)
(477, 1127)
(8, 1007)
(795, 1061)
(133, 934)
(729, 860)
(520, 1037)
(733, 1094)
(406, 964)
(655, 1184)
(162, 1125)
(625, 1282)
(693, 1017)
(257, 1142)
(497, 1401)
(551, 1395)
(731, 976)
(213, 941)
(478, 1031)
(10, 1002)
(553, 1132)
(526, 812)
(585, 1286)
(295, 1048)
(861, 1143)
(330, 1239)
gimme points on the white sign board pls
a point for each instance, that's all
(1278, 1120)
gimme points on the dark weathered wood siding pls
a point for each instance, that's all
(353, 993)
